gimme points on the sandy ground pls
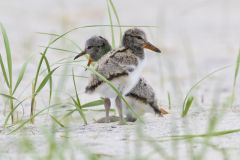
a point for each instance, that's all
(113, 140)
(196, 38)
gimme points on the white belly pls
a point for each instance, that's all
(138, 107)
(123, 84)
(106, 90)
(134, 77)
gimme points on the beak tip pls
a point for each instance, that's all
(76, 57)
(148, 45)
(80, 54)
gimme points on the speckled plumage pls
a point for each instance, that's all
(143, 93)
(121, 66)
(117, 63)
(97, 44)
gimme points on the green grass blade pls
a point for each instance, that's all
(53, 34)
(75, 89)
(10, 113)
(34, 85)
(187, 106)
(32, 117)
(4, 71)
(57, 121)
(20, 76)
(111, 24)
(99, 110)
(8, 53)
(69, 75)
(7, 96)
(50, 78)
(45, 80)
(93, 103)
(198, 83)
(192, 136)
(74, 101)
(232, 98)
(236, 70)
(69, 113)
(80, 110)
(212, 134)
(77, 101)
(117, 17)
(9, 64)
(60, 49)
(169, 101)
(40, 64)
(91, 26)
(37, 74)
(62, 62)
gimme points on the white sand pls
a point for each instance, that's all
(119, 141)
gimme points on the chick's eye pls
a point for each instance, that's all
(138, 37)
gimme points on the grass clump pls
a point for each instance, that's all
(77, 102)
(8, 73)
(187, 102)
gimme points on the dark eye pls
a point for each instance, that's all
(89, 47)
(101, 37)
(138, 37)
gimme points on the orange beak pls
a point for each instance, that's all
(89, 62)
(80, 54)
(148, 45)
